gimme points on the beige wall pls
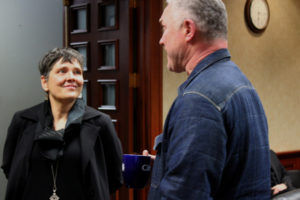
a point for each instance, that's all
(272, 63)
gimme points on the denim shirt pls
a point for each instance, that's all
(215, 140)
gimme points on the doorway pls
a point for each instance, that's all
(123, 67)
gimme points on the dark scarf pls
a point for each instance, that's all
(52, 142)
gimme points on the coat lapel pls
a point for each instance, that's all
(88, 138)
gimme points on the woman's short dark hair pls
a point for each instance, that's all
(66, 54)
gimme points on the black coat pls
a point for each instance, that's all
(101, 153)
(278, 172)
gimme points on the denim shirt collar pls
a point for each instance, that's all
(204, 64)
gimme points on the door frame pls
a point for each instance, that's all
(150, 72)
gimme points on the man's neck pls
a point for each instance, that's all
(199, 52)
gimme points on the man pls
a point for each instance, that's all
(215, 140)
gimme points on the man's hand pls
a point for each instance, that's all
(146, 153)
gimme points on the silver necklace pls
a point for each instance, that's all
(54, 175)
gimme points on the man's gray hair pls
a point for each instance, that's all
(210, 16)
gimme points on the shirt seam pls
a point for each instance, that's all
(205, 97)
(219, 108)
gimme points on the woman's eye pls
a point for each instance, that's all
(61, 71)
(78, 72)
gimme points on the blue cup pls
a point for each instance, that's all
(136, 170)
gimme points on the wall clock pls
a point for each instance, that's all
(257, 15)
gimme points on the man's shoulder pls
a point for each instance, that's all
(219, 82)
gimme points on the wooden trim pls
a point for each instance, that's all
(66, 2)
(102, 43)
(149, 70)
(76, 45)
(66, 25)
(73, 18)
(117, 18)
(152, 63)
(88, 90)
(288, 154)
(115, 82)
(290, 159)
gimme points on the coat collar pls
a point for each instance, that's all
(37, 113)
(87, 140)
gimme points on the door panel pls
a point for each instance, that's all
(122, 72)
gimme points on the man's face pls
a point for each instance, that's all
(173, 40)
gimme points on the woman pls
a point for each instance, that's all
(280, 181)
(62, 148)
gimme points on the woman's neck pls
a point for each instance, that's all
(60, 113)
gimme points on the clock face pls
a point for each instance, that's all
(257, 15)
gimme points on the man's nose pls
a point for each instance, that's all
(161, 42)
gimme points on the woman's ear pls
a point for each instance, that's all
(44, 83)
(189, 29)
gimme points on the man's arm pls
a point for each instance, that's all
(196, 151)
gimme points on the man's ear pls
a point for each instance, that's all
(189, 28)
(44, 83)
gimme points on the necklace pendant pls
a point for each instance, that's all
(54, 196)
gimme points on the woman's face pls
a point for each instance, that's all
(64, 82)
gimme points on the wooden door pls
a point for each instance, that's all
(122, 69)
